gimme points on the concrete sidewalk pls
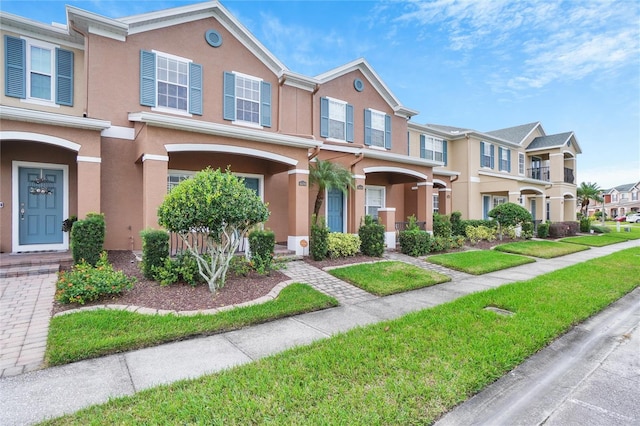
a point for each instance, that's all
(38, 395)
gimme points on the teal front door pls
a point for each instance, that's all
(335, 210)
(40, 206)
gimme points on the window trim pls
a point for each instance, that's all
(30, 42)
(522, 165)
(504, 151)
(170, 110)
(383, 197)
(486, 145)
(259, 80)
(344, 104)
(188, 174)
(382, 115)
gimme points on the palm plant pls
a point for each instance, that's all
(587, 192)
(328, 175)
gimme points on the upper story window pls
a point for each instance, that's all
(377, 129)
(634, 196)
(247, 100)
(505, 159)
(486, 155)
(521, 163)
(38, 72)
(336, 119)
(170, 83)
(433, 148)
(614, 197)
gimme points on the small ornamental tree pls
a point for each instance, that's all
(509, 214)
(218, 206)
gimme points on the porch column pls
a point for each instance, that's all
(570, 206)
(298, 238)
(88, 185)
(444, 200)
(557, 209)
(387, 218)
(356, 204)
(425, 204)
(154, 187)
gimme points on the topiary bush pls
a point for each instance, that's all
(414, 242)
(319, 241)
(457, 227)
(371, 236)
(155, 249)
(262, 245)
(343, 245)
(585, 224)
(543, 230)
(441, 226)
(509, 214)
(87, 239)
(86, 283)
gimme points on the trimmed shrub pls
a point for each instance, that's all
(319, 241)
(585, 224)
(457, 227)
(477, 233)
(155, 249)
(543, 230)
(563, 229)
(601, 229)
(527, 230)
(182, 268)
(415, 242)
(262, 245)
(87, 239)
(446, 243)
(86, 283)
(477, 222)
(343, 245)
(371, 236)
(441, 226)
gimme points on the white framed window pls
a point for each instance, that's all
(374, 200)
(173, 82)
(377, 128)
(251, 181)
(337, 119)
(505, 159)
(248, 99)
(623, 196)
(436, 203)
(497, 200)
(174, 177)
(40, 60)
(433, 148)
(614, 197)
(634, 196)
(521, 163)
(486, 155)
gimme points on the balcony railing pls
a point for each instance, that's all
(539, 173)
(568, 176)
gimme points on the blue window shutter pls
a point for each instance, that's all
(324, 117)
(444, 152)
(423, 146)
(387, 131)
(491, 148)
(481, 153)
(229, 96)
(367, 127)
(195, 88)
(349, 123)
(509, 160)
(147, 78)
(64, 77)
(500, 158)
(15, 73)
(265, 100)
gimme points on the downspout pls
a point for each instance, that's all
(280, 84)
(85, 112)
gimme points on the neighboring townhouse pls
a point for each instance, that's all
(482, 170)
(106, 115)
(622, 200)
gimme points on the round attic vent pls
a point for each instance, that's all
(213, 38)
(358, 85)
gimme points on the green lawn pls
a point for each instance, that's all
(593, 240)
(542, 249)
(384, 278)
(406, 371)
(478, 262)
(91, 334)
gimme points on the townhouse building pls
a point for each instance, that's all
(621, 200)
(106, 115)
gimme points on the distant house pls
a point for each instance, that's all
(107, 115)
(622, 200)
(481, 170)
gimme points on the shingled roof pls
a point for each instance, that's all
(550, 141)
(514, 134)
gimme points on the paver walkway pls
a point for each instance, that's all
(25, 307)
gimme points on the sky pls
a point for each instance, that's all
(483, 65)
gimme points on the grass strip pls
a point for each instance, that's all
(406, 371)
(385, 278)
(478, 262)
(91, 334)
(593, 240)
(542, 249)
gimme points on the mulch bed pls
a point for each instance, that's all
(180, 296)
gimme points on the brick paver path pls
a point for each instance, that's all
(343, 292)
(25, 310)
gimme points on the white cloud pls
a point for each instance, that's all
(609, 176)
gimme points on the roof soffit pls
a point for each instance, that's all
(56, 34)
